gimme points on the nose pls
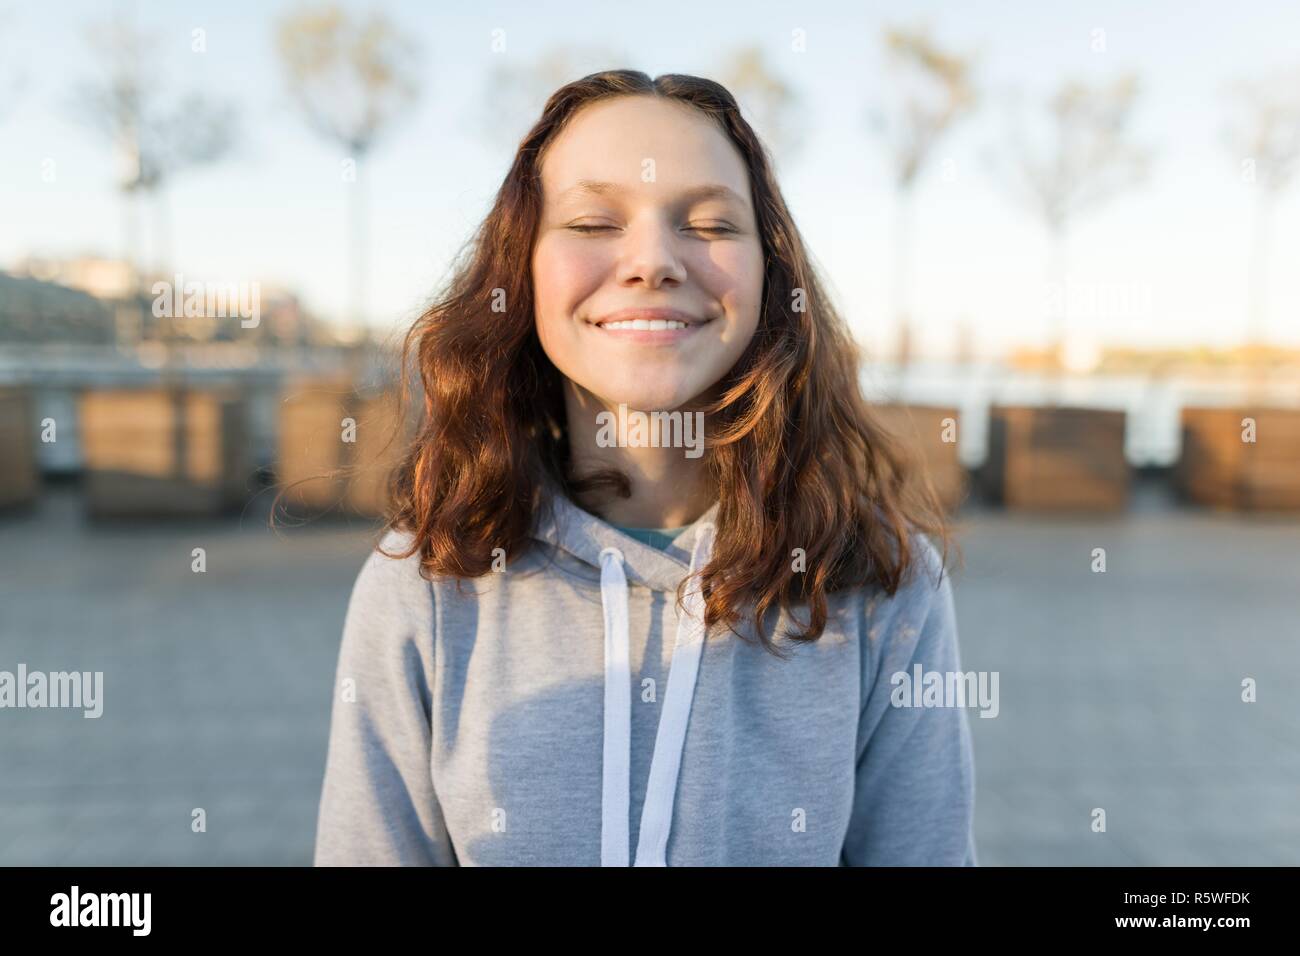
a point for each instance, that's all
(651, 254)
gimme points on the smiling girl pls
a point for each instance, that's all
(572, 651)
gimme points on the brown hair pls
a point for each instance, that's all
(797, 459)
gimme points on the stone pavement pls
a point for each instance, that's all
(1118, 690)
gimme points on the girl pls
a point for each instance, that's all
(581, 644)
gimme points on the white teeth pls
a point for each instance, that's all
(648, 325)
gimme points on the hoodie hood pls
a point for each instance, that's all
(624, 562)
(582, 535)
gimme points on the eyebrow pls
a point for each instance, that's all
(705, 191)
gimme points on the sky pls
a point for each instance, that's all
(1167, 258)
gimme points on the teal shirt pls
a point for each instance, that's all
(659, 538)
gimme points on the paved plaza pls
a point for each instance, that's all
(1119, 691)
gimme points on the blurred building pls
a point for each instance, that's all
(37, 312)
(87, 300)
(69, 326)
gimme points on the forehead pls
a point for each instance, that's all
(607, 148)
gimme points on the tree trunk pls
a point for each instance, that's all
(904, 342)
(1257, 384)
(359, 250)
(1059, 323)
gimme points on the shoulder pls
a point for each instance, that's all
(925, 579)
(391, 589)
(927, 574)
(388, 561)
(388, 644)
(920, 614)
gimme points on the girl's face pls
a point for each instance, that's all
(647, 222)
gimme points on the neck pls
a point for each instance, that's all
(669, 489)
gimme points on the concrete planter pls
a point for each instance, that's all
(1220, 468)
(925, 427)
(19, 478)
(1057, 458)
(318, 467)
(164, 451)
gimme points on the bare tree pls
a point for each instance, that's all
(154, 135)
(768, 102)
(1082, 160)
(1264, 136)
(352, 79)
(518, 89)
(932, 91)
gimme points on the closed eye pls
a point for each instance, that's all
(719, 229)
(715, 230)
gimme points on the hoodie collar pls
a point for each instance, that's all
(566, 525)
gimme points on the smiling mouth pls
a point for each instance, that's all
(649, 325)
(648, 320)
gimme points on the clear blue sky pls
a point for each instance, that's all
(276, 211)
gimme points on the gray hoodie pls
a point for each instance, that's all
(560, 713)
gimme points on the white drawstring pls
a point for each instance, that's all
(657, 811)
(615, 798)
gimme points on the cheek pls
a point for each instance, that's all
(564, 274)
(735, 278)
(563, 278)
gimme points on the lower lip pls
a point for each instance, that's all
(650, 336)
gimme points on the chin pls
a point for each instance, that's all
(648, 399)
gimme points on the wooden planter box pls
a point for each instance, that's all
(19, 479)
(1056, 458)
(923, 427)
(1217, 468)
(317, 468)
(164, 451)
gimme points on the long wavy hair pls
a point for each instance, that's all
(796, 458)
